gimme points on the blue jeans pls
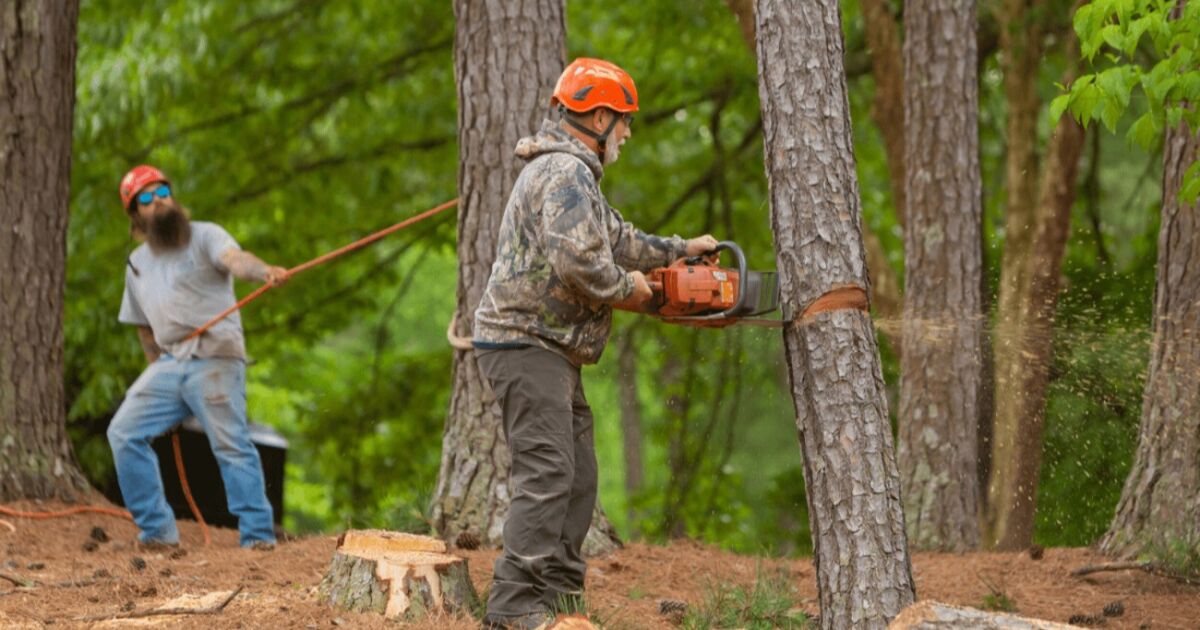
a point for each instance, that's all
(214, 391)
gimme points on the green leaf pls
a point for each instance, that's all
(1058, 106)
(1111, 115)
(1145, 131)
(1113, 36)
(1174, 116)
(1190, 190)
(1115, 84)
(1136, 29)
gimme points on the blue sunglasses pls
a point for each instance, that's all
(163, 192)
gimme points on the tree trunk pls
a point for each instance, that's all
(883, 38)
(1024, 337)
(631, 424)
(864, 574)
(941, 366)
(37, 101)
(507, 58)
(397, 575)
(1160, 505)
(1020, 43)
(885, 286)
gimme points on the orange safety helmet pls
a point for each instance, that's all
(586, 84)
(590, 83)
(136, 179)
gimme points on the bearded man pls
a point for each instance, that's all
(176, 280)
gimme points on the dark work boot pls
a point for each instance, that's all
(529, 621)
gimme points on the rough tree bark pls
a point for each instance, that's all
(507, 57)
(37, 102)
(864, 573)
(886, 298)
(940, 376)
(1160, 505)
(1029, 284)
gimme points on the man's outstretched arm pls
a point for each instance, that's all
(246, 266)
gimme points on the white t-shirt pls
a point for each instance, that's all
(178, 291)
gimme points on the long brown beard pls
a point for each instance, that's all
(169, 230)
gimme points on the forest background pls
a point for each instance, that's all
(300, 125)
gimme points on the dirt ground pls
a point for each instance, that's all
(279, 588)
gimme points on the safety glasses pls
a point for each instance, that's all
(162, 192)
(628, 120)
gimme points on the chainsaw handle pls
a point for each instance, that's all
(741, 262)
(655, 286)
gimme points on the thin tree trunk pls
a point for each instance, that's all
(1024, 338)
(1160, 505)
(37, 103)
(507, 58)
(864, 574)
(941, 366)
(631, 424)
(883, 39)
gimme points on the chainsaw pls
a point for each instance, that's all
(696, 291)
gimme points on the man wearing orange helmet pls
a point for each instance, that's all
(179, 278)
(564, 256)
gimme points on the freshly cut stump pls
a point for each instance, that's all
(397, 575)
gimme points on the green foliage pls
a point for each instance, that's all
(301, 125)
(1151, 54)
(1180, 556)
(772, 602)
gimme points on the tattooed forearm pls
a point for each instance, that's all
(244, 265)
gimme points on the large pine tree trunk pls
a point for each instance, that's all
(37, 102)
(941, 365)
(507, 57)
(1160, 505)
(1024, 333)
(886, 298)
(864, 573)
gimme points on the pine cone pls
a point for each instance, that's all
(668, 606)
(467, 540)
(1115, 609)
(1036, 552)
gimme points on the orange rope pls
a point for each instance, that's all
(363, 242)
(187, 494)
(187, 491)
(119, 513)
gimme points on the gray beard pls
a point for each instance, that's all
(611, 153)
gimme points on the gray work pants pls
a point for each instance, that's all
(548, 425)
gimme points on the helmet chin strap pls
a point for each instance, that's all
(600, 138)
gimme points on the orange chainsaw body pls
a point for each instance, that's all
(697, 292)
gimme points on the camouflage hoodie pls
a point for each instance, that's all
(561, 254)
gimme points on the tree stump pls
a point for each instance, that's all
(397, 575)
(929, 615)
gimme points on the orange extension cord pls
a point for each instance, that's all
(187, 491)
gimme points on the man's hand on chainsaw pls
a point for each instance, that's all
(641, 289)
(641, 292)
(701, 245)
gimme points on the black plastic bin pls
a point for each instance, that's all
(204, 478)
